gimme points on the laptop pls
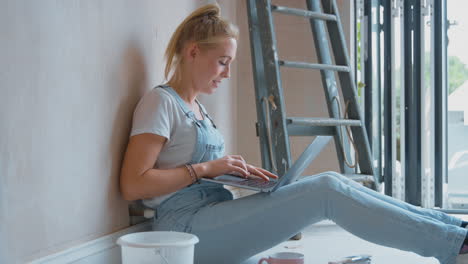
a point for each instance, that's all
(260, 185)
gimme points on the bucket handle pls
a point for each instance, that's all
(157, 251)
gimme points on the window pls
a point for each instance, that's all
(413, 95)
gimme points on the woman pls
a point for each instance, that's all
(174, 143)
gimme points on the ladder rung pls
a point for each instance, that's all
(306, 65)
(298, 130)
(360, 177)
(323, 121)
(303, 13)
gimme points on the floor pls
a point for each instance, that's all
(325, 241)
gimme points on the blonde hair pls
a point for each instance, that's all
(205, 27)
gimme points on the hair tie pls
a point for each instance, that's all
(206, 18)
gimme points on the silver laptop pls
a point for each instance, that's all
(257, 184)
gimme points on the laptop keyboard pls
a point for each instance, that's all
(257, 183)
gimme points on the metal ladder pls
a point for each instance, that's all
(273, 126)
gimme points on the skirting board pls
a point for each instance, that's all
(98, 251)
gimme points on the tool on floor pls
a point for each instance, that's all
(273, 126)
(283, 258)
(360, 259)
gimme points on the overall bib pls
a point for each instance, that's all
(176, 213)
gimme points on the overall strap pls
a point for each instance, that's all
(205, 113)
(188, 113)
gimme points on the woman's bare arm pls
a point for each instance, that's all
(138, 179)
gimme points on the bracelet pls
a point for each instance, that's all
(192, 173)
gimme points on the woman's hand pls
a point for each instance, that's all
(235, 165)
(260, 172)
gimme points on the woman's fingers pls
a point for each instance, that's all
(235, 173)
(240, 167)
(269, 174)
(242, 163)
(263, 173)
(256, 172)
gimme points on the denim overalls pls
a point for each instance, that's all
(230, 231)
(177, 211)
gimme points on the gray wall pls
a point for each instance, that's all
(71, 73)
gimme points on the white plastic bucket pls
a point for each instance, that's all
(157, 247)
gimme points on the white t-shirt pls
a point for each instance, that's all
(158, 112)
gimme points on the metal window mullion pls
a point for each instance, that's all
(439, 42)
(354, 42)
(377, 106)
(372, 110)
(427, 112)
(389, 124)
(402, 178)
(412, 76)
(368, 91)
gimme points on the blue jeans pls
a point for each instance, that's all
(235, 230)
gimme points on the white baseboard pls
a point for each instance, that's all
(98, 251)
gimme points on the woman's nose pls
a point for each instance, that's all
(227, 72)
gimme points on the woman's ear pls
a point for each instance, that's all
(191, 51)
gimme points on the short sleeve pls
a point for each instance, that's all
(153, 114)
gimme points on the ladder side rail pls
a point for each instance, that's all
(328, 79)
(272, 80)
(259, 81)
(348, 87)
